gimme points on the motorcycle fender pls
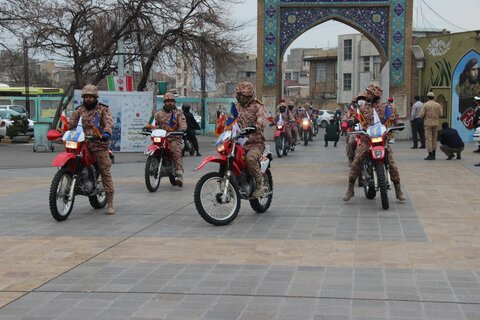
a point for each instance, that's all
(151, 150)
(277, 133)
(264, 165)
(62, 159)
(378, 152)
(220, 160)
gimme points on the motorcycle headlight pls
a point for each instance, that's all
(221, 149)
(376, 140)
(279, 127)
(305, 123)
(157, 139)
(71, 144)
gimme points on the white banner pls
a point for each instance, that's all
(131, 112)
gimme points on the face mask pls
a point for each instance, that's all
(282, 110)
(168, 108)
(243, 100)
(290, 108)
(361, 103)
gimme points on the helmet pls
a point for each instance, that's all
(91, 90)
(168, 96)
(375, 89)
(245, 88)
(360, 95)
(282, 104)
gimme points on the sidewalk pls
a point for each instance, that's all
(310, 256)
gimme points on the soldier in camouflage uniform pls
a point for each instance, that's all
(351, 113)
(251, 112)
(282, 108)
(87, 111)
(171, 119)
(292, 121)
(374, 93)
(431, 112)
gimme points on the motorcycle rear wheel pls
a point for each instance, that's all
(369, 190)
(279, 147)
(60, 207)
(382, 184)
(260, 205)
(152, 180)
(207, 200)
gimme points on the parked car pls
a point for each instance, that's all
(17, 108)
(6, 117)
(324, 117)
(3, 129)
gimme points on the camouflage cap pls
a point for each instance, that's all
(375, 89)
(168, 96)
(361, 94)
(245, 88)
(90, 89)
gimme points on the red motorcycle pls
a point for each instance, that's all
(159, 162)
(217, 194)
(280, 137)
(77, 175)
(375, 174)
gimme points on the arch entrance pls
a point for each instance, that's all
(386, 23)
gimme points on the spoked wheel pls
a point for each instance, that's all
(212, 205)
(60, 205)
(382, 184)
(262, 204)
(279, 147)
(152, 177)
(99, 200)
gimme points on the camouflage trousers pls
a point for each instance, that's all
(104, 164)
(431, 133)
(351, 147)
(360, 156)
(176, 148)
(293, 130)
(288, 134)
(253, 155)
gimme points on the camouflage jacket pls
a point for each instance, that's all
(253, 114)
(291, 115)
(283, 115)
(367, 115)
(164, 121)
(431, 112)
(105, 123)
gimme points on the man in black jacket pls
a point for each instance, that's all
(332, 133)
(192, 125)
(451, 142)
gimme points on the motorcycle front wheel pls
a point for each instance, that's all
(152, 178)
(305, 138)
(60, 206)
(209, 203)
(279, 147)
(262, 204)
(382, 184)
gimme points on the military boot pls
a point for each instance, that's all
(398, 193)
(258, 192)
(179, 178)
(429, 157)
(433, 154)
(350, 192)
(110, 208)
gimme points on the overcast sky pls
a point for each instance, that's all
(463, 14)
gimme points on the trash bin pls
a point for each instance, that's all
(40, 130)
(162, 87)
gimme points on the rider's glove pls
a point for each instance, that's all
(105, 136)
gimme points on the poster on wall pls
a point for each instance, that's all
(400, 104)
(131, 112)
(465, 86)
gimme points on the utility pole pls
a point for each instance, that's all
(27, 79)
(203, 84)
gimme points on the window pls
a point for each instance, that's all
(366, 64)
(321, 72)
(303, 74)
(376, 68)
(347, 82)
(347, 49)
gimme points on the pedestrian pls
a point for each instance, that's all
(431, 112)
(192, 125)
(97, 117)
(451, 142)
(332, 133)
(476, 117)
(416, 122)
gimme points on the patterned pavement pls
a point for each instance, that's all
(311, 256)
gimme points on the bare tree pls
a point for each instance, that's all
(82, 31)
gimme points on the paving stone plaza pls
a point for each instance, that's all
(310, 256)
